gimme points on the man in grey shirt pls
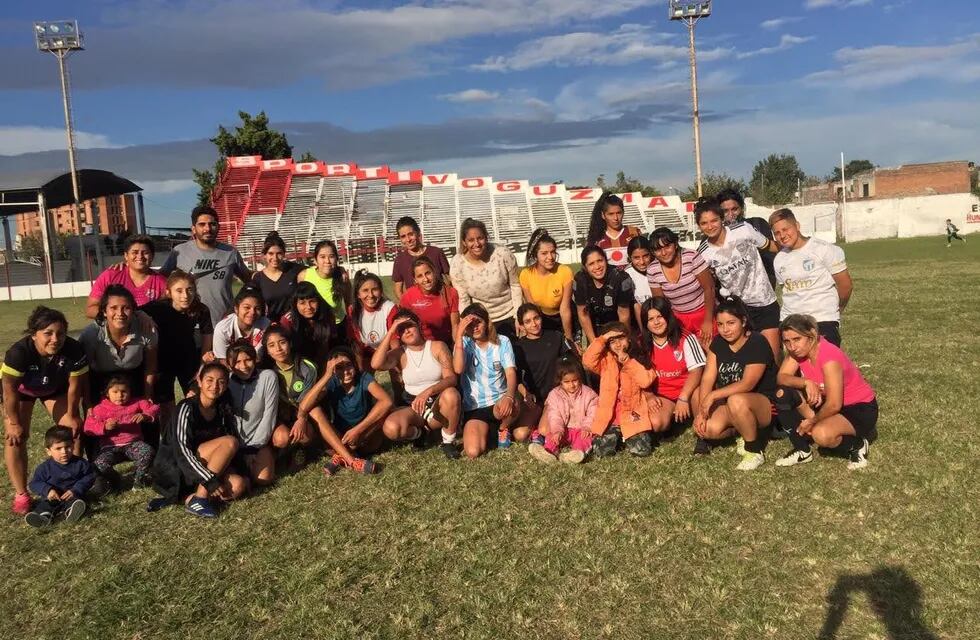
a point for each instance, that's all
(213, 264)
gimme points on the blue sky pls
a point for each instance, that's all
(536, 89)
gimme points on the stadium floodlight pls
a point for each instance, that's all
(61, 38)
(690, 13)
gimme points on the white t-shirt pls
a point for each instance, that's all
(806, 276)
(641, 285)
(227, 331)
(374, 324)
(738, 267)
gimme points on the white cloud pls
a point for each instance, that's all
(843, 4)
(628, 44)
(470, 96)
(786, 41)
(166, 187)
(888, 65)
(17, 140)
(776, 23)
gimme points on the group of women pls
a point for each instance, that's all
(477, 350)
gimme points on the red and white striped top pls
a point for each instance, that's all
(686, 295)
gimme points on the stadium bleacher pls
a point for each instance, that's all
(358, 209)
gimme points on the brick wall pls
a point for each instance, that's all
(923, 179)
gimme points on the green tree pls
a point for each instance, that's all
(712, 184)
(626, 184)
(775, 180)
(252, 137)
(308, 157)
(852, 168)
(32, 246)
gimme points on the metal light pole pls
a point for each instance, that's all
(60, 38)
(690, 13)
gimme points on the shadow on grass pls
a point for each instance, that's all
(895, 598)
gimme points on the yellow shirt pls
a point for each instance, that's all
(546, 291)
(325, 287)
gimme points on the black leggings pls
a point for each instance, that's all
(863, 417)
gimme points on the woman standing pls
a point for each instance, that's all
(732, 253)
(435, 303)
(329, 278)
(602, 295)
(311, 324)
(44, 365)
(823, 398)
(118, 344)
(606, 230)
(135, 274)
(548, 284)
(738, 386)
(277, 280)
(246, 322)
(486, 274)
(682, 277)
(369, 317)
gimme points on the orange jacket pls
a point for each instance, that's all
(628, 380)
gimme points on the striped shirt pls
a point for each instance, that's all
(686, 295)
(484, 381)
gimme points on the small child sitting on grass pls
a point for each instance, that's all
(117, 422)
(570, 410)
(61, 481)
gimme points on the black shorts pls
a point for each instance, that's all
(552, 323)
(163, 389)
(830, 331)
(483, 414)
(763, 318)
(506, 327)
(863, 417)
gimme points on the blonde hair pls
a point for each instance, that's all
(802, 324)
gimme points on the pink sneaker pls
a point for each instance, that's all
(22, 504)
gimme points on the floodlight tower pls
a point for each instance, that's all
(61, 38)
(690, 13)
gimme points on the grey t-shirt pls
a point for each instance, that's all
(213, 269)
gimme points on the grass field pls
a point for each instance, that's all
(502, 547)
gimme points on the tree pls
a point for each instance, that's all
(775, 180)
(32, 246)
(626, 184)
(307, 157)
(852, 168)
(712, 184)
(253, 137)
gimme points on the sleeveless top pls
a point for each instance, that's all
(421, 370)
(324, 287)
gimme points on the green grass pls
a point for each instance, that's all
(667, 547)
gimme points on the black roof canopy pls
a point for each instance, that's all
(18, 194)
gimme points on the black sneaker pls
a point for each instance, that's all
(702, 447)
(75, 511)
(450, 450)
(605, 445)
(38, 520)
(640, 445)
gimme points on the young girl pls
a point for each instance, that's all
(359, 406)
(682, 277)
(491, 404)
(329, 278)
(732, 253)
(606, 230)
(278, 279)
(369, 318)
(311, 324)
(430, 395)
(548, 284)
(602, 295)
(435, 303)
(640, 257)
(679, 361)
(571, 408)
(117, 422)
(738, 386)
(254, 397)
(823, 398)
(623, 410)
(246, 322)
(184, 326)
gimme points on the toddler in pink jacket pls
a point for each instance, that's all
(117, 422)
(570, 410)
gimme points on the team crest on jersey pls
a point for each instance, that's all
(808, 264)
(298, 386)
(608, 300)
(556, 292)
(374, 337)
(678, 355)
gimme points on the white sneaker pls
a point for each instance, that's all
(751, 461)
(538, 452)
(740, 446)
(572, 456)
(859, 457)
(795, 457)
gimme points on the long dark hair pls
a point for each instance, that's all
(587, 251)
(273, 240)
(539, 237)
(338, 273)
(597, 225)
(360, 278)
(468, 224)
(312, 335)
(674, 329)
(733, 305)
(277, 330)
(42, 317)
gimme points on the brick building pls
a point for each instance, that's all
(927, 179)
(117, 214)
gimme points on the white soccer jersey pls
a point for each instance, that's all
(738, 266)
(806, 275)
(641, 285)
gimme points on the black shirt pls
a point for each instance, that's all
(731, 365)
(537, 360)
(601, 303)
(180, 335)
(278, 293)
(42, 377)
(768, 257)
